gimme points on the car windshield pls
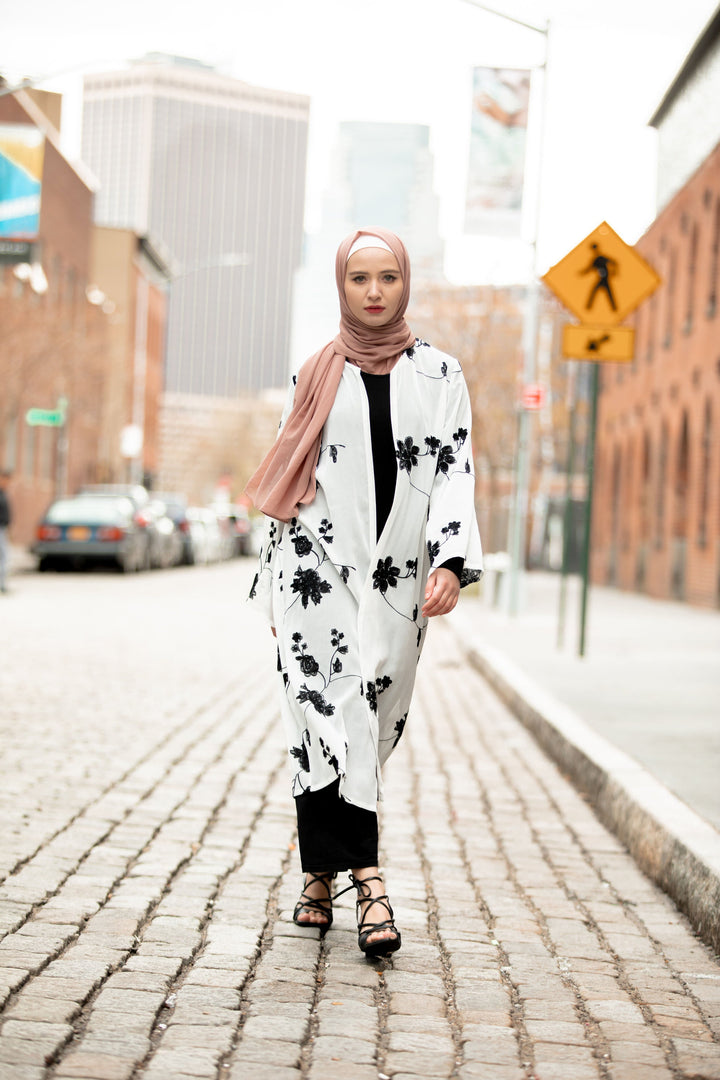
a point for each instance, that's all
(89, 510)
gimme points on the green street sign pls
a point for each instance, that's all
(45, 417)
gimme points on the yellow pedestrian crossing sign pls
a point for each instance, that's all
(603, 279)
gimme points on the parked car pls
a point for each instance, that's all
(88, 529)
(176, 506)
(139, 494)
(166, 547)
(207, 535)
(241, 529)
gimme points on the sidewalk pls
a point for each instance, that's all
(634, 723)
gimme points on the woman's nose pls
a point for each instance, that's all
(374, 287)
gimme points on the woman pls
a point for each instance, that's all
(369, 493)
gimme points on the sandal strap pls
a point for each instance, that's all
(358, 883)
(385, 902)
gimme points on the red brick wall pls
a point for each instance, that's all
(656, 509)
(51, 345)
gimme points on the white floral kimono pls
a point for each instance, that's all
(345, 604)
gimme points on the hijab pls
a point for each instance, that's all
(285, 479)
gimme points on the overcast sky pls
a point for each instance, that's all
(609, 62)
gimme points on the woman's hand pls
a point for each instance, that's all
(441, 593)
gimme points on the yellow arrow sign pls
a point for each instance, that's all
(598, 342)
(603, 279)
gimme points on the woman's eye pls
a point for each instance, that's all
(390, 277)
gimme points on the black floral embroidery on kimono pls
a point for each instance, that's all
(325, 530)
(253, 588)
(308, 664)
(399, 728)
(336, 639)
(373, 689)
(301, 752)
(310, 586)
(329, 756)
(407, 453)
(302, 544)
(332, 449)
(386, 575)
(446, 458)
(316, 699)
(433, 546)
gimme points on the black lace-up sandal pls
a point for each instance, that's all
(383, 945)
(321, 904)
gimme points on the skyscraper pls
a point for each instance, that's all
(213, 170)
(382, 175)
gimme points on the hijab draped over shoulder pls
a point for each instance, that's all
(285, 478)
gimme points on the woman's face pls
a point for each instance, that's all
(373, 286)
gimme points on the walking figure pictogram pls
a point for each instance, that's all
(604, 267)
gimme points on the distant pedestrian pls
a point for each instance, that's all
(369, 494)
(5, 519)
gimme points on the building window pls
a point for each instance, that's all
(692, 264)
(670, 299)
(651, 324)
(705, 466)
(645, 490)
(660, 493)
(714, 261)
(682, 478)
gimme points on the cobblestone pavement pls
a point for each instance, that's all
(149, 873)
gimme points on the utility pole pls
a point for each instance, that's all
(521, 497)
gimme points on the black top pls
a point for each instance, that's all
(5, 515)
(377, 388)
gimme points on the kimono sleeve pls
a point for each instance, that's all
(260, 596)
(452, 529)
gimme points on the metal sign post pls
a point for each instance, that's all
(601, 281)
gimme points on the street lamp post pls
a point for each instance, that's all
(517, 541)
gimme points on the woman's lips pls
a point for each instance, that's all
(374, 309)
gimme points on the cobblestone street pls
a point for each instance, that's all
(149, 872)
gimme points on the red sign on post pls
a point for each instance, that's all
(533, 396)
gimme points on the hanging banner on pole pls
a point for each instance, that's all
(22, 151)
(496, 164)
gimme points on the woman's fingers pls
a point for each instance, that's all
(441, 593)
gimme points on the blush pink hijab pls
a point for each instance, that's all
(286, 477)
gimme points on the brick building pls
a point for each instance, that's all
(130, 279)
(53, 344)
(656, 511)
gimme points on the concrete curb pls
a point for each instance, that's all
(674, 846)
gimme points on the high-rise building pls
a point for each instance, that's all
(213, 171)
(382, 175)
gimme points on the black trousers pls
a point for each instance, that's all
(334, 834)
